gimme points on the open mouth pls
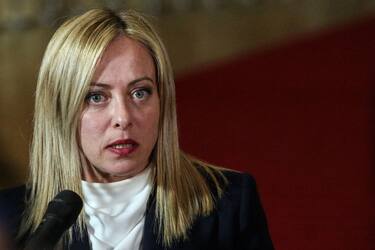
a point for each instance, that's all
(123, 147)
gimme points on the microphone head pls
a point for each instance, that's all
(61, 213)
(65, 207)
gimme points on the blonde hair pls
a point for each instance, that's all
(180, 183)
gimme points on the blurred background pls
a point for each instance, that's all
(282, 89)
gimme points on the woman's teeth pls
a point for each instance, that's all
(122, 146)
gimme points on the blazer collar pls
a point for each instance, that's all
(150, 239)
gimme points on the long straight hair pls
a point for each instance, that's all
(181, 187)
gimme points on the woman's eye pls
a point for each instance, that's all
(95, 98)
(140, 93)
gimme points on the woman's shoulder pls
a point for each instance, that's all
(12, 205)
(231, 186)
(229, 179)
(18, 190)
(237, 178)
(12, 197)
(239, 210)
(239, 186)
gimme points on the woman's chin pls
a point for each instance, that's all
(114, 174)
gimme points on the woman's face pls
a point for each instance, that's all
(119, 125)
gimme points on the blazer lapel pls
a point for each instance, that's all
(149, 239)
(80, 243)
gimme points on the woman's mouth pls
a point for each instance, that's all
(123, 147)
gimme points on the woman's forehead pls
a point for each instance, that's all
(124, 58)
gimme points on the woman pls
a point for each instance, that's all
(105, 127)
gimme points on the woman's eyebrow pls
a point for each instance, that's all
(141, 79)
(99, 84)
(131, 83)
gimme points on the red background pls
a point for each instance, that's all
(299, 117)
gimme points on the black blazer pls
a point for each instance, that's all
(237, 222)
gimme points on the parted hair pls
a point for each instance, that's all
(180, 182)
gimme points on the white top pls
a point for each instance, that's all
(115, 212)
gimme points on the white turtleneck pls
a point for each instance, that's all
(115, 212)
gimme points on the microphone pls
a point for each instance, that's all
(61, 213)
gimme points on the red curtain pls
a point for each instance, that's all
(299, 117)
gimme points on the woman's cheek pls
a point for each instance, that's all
(92, 128)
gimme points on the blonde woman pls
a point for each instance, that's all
(105, 127)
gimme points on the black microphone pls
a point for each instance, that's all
(61, 213)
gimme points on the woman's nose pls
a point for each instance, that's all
(121, 115)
